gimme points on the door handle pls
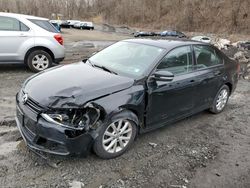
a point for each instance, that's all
(23, 35)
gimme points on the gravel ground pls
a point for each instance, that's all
(204, 150)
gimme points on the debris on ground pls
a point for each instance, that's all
(240, 56)
(221, 43)
(76, 184)
(244, 60)
(152, 144)
(217, 174)
(178, 186)
(121, 182)
(185, 180)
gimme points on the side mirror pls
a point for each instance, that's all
(84, 60)
(164, 76)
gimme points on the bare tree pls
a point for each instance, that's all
(189, 15)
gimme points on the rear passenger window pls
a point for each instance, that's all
(12, 24)
(45, 25)
(206, 57)
(24, 27)
(177, 61)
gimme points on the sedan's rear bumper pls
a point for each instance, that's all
(54, 139)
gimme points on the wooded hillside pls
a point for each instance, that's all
(231, 16)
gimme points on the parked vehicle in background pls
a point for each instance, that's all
(71, 23)
(129, 88)
(202, 39)
(30, 40)
(59, 22)
(56, 25)
(144, 34)
(65, 24)
(84, 25)
(170, 33)
(245, 45)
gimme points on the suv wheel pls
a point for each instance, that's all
(115, 138)
(220, 100)
(39, 60)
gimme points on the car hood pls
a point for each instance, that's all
(71, 86)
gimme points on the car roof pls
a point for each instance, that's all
(166, 44)
(14, 15)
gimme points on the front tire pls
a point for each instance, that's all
(39, 60)
(220, 100)
(115, 138)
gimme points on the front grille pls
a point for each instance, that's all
(30, 125)
(32, 104)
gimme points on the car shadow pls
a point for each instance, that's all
(7, 68)
(13, 68)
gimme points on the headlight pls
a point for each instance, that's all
(60, 119)
(75, 118)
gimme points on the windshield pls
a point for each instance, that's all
(127, 58)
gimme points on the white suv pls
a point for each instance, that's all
(30, 40)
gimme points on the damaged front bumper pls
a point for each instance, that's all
(41, 135)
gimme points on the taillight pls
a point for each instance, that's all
(59, 38)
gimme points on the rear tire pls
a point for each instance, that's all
(220, 100)
(39, 60)
(115, 138)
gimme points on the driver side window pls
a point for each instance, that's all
(177, 61)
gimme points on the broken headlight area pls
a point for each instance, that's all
(86, 118)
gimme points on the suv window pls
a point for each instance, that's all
(45, 25)
(24, 27)
(177, 61)
(12, 24)
(206, 56)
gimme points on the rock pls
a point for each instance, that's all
(238, 44)
(203, 165)
(194, 152)
(246, 77)
(178, 186)
(64, 174)
(243, 58)
(152, 144)
(221, 43)
(185, 180)
(217, 174)
(76, 184)
(52, 164)
(240, 57)
(121, 182)
(3, 171)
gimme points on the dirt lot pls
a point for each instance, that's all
(204, 150)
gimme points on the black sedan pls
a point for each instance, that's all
(129, 88)
(176, 34)
(144, 34)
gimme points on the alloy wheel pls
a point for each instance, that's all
(117, 136)
(222, 99)
(40, 62)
